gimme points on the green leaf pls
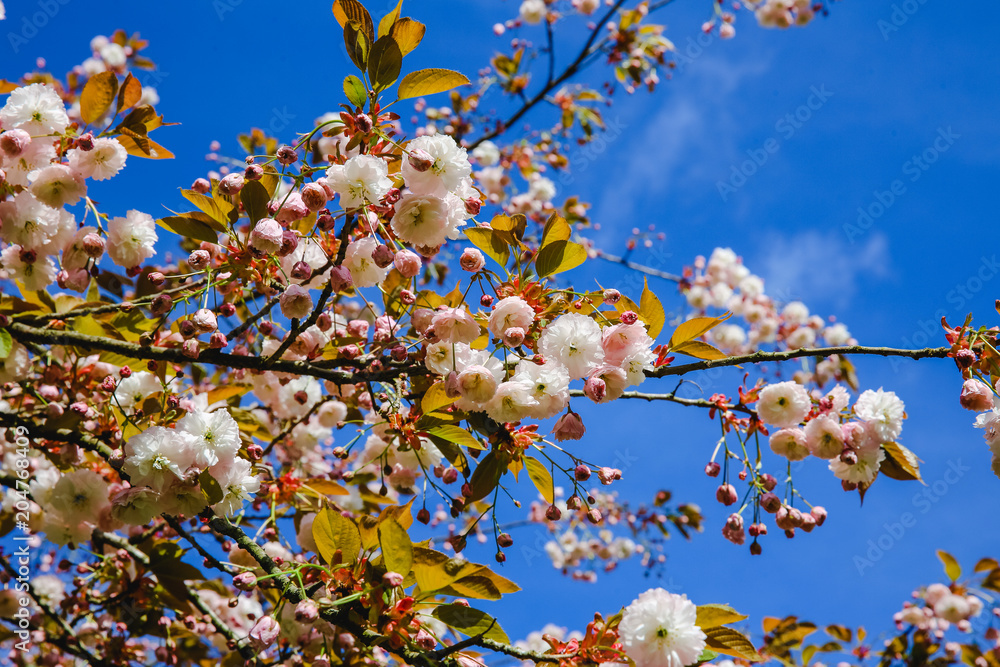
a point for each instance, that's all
(189, 227)
(385, 25)
(397, 549)
(357, 44)
(458, 435)
(695, 328)
(651, 311)
(254, 198)
(6, 343)
(559, 256)
(700, 350)
(541, 477)
(556, 229)
(355, 91)
(97, 96)
(707, 656)
(490, 242)
(434, 398)
(900, 463)
(408, 34)
(470, 622)
(951, 566)
(333, 531)
(715, 615)
(428, 81)
(731, 642)
(346, 11)
(216, 210)
(385, 63)
(486, 476)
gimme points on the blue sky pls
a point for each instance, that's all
(888, 96)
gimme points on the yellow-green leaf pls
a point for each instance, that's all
(490, 242)
(97, 96)
(714, 615)
(189, 227)
(556, 229)
(408, 34)
(217, 210)
(357, 43)
(385, 25)
(731, 642)
(458, 435)
(540, 477)
(355, 91)
(332, 531)
(651, 311)
(700, 350)
(951, 566)
(559, 256)
(6, 343)
(346, 11)
(428, 81)
(695, 328)
(434, 398)
(397, 549)
(470, 622)
(899, 463)
(255, 199)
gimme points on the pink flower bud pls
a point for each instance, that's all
(581, 472)
(156, 278)
(363, 122)
(472, 260)
(301, 271)
(595, 388)
(201, 186)
(392, 579)
(245, 581)
(187, 328)
(218, 341)
(594, 515)
(289, 242)
(770, 503)
(407, 263)
(264, 633)
(449, 476)
(204, 321)
(314, 196)
(253, 172)
(231, 184)
(295, 302)
(266, 236)
(93, 245)
(340, 278)
(569, 427)
(612, 296)
(13, 142)
(976, 396)
(420, 160)
(819, 514)
(504, 540)
(769, 482)
(286, 155)
(75, 279)
(726, 494)
(513, 336)
(306, 611)
(227, 309)
(553, 513)
(608, 475)
(358, 328)
(85, 142)
(965, 358)
(712, 469)
(486, 300)
(383, 256)
(574, 502)
(473, 206)
(628, 317)
(190, 349)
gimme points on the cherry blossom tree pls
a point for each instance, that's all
(232, 456)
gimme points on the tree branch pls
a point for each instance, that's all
(638, 267)
(763, 357)
(690, 402)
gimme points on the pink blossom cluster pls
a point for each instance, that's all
(941, 609)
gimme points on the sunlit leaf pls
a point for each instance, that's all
(490, 242)
(470, 622)
(333, 531)
(559, 256)
(346, 11)
(385, 25)
(428, 81)
(97, 96)
(384, 63)
(899, 463)
(731, 642)
(651, 311)
(355, 91)
(700, 350)
(714, 615)
(408, 34)
(189, 227)
(457, 435)
(540, 477)
(951, 566)
(695, 328)
(397, 549)
(435, 397)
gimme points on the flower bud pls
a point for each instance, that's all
(581, 472)
(407, 263)
(513, 336)
(449, 476)
(628, 317)
(712, 469)
(253, 172)
(266, 236)
(13, 142)
(187, 328)
(289, 242)
(595, 388)
(85, 142)
(976, 396)
(363, 122)
(769, 482)
(819, 514)
(486, 300)
(392, 579)
(608, 475)
(295, 302)
(301, 271)
(420, 160)
(93, 245)
(423, 516)
(965, 358)
(286, 155)
(553, 513)
(472, 260)
(314, 196)
(755, 549)
(594, 516)
(264, 633)
(204, 321)
(245, 581)
(770, 503)
(504, 540)
(726, 494)
(231, 184)
(201, 186)
(569, 427)
(306, 611)
(383, 256)
(340, 278)
(574, 502)
(612, 296)
(218, 341)
(190, 349)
